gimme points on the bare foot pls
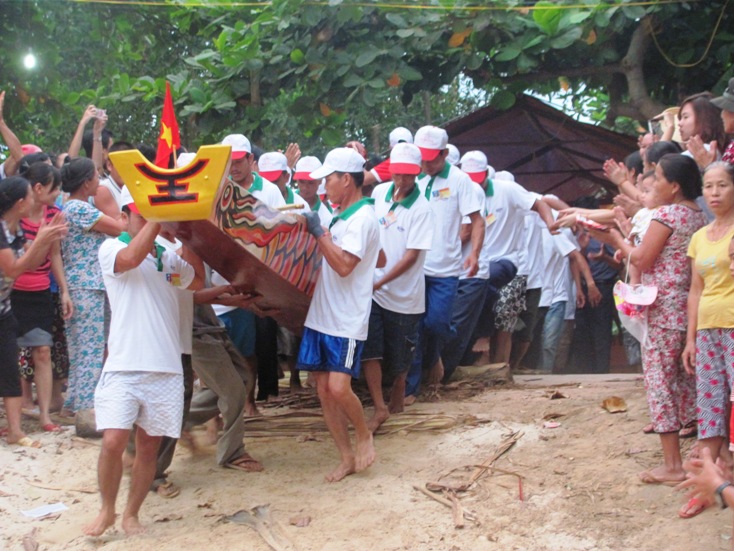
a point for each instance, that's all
(396, 406)
(365, 455)
(132, 526)
(344, 469)
(251, 410)
(409, 400)
(662, 475)
(212, 431)
(377, 419)
(435, 374)
(99, 525)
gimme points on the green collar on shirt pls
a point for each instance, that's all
(443, 174)
(257, 183)
(352, 209)
(159, 249)
(291, 197)
(489, 190)
(406, 202)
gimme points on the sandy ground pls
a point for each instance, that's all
(579, 489)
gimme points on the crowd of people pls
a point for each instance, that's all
(424, 253)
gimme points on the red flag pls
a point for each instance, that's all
(169, 140)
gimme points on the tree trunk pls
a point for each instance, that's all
(632, 67)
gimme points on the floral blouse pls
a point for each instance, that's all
(671, 271)
(80, 248)
(15, 243)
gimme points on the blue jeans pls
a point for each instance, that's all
(435, 328)
(552, 328)
(470, 294)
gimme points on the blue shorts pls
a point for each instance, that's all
(392, 338)
(320, 352)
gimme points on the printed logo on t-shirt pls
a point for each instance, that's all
(444, 193)
(174, 279)
(389, 219)
(490, 219)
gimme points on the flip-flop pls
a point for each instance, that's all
(245, 463)
(52, 427)
(26, 442)
(689, 431)
(167, 489)
(3, 432)
(694, 507)
(648, 478)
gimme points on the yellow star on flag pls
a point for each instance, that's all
(166, 135)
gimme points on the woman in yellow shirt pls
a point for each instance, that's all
(709, 348)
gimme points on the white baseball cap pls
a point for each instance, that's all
(341, 159)
(271, 165)
(405, 158)
(400, 134)
(453, 156)
(240, 145)
(474, 163)
(184, 159)
(126, 199)
(504, 175)
(305, 166)
(431, 140)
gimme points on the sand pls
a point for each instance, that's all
(579, 489)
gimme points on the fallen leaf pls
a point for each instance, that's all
(614, 404)
(307, 438)
(556, 395)
(551, 416)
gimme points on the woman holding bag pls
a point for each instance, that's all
(661, 257)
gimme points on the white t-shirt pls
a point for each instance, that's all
(144, 331)
(451, 197)
(404, 228)
(531, 254)
(505, 217)
(556, 249)
(220, 309)
(324, 211)
(114, 190)
(185, 301)
(483, 271)
(266, 191)
(341, 306)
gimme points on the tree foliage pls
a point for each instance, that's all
(324, 72)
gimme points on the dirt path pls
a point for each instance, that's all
(580, 490)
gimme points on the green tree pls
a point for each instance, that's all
(321, 74)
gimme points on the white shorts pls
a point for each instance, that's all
(153, 401)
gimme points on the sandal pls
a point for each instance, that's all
(245, 463)
(689, 431)
(694, 507)
(649, 428)
(52, 427)
(26, 442)
(166, 489)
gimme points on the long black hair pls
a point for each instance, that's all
(12, 190)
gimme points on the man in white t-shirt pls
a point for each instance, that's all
(398, 301)
(451, 196)
(337, 319)
(243, 326)
(381, 172)
(308, 190)
(240, 172)
(142, 380)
